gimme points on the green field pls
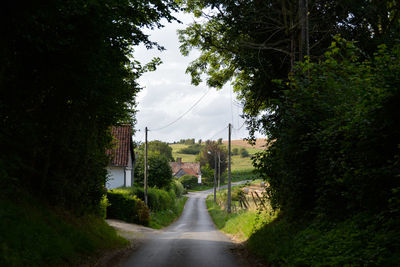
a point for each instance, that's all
(238, 163)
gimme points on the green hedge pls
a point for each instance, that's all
(188, 181)
(126, 207)
(158, 199)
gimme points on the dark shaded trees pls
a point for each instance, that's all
(66, 77)
(159, 171)
(316, 112)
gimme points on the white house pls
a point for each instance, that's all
(120, 169)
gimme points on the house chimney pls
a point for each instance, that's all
(179, 160)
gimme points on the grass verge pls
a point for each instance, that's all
(360, 240)
(32, 234)
(240, 223)
(163, 218)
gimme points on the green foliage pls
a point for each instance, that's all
(341, 111)
(244, 153)
(241, 224)
(188, 181)
(158, 199)
(159, 171)
(68, 75)
(189, 141)
(34, 235)
(159, 148)
(160, 219)
(235, 151)
(178, 188)
(165, 206)
(360, 240)
(211, 153)
(241, 175)
(126, 207)
(193, 149)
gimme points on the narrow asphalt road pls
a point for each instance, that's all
(192, 241)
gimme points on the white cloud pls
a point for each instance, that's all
(168, 93)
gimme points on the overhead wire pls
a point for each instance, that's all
(181, 116)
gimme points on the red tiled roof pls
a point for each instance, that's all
(122, 147)
(190, 171)
(191, 168)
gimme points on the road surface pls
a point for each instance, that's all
(192, 241)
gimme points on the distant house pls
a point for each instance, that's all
(180, 169)
(122, 158)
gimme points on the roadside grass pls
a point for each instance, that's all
(161, 219)
(360, 240)
(32, 234)
(240, 223)
(165, 206)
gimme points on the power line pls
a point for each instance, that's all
(181, 116)
(240, 126)
(220, 131)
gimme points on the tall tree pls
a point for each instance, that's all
(252, 43)
(213, 152)
(66, 76)
(160, 148)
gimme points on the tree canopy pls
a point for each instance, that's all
(159, 171)
(213, 152)
(160, 148)
(322, 100)
(67, 75)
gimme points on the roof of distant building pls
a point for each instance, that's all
(180, 168)
(122, 145)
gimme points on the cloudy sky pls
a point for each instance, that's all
(168, 94)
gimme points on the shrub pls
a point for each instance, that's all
(244, 153)
(157, 199)
(188, 181)
(235, 151)
(192, 149)
(126, 207)
(178, 188)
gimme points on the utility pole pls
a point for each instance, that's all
(215, 177)
(219, 170)
(229, 168)
(145, 165)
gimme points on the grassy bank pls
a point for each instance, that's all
(361, 240)
(164, 207)
(240, 223)
(32, 234)
(160, 219)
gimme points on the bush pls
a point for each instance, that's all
(192, 149)
(126, 207)
(178, 188)
(244, 153)
(188, 181)
(235, 151)
(157, 199)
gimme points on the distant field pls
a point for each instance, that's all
(242, 143)
(238, 163)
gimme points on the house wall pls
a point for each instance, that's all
(128, 171)
(115, 177)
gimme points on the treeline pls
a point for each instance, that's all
(66, 77)
(321, 80)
